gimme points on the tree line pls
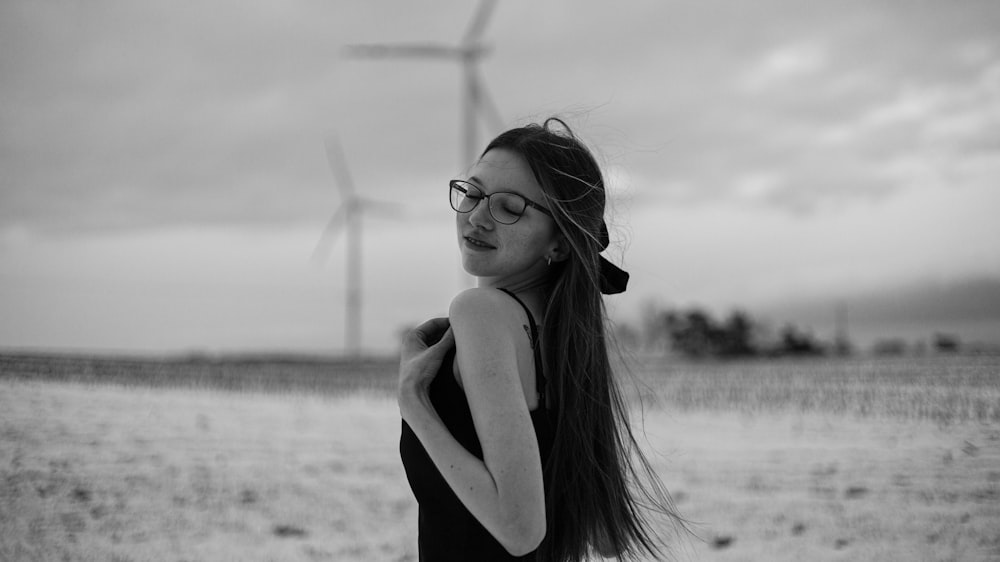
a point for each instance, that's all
(696, 333)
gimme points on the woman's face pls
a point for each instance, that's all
(505, 255)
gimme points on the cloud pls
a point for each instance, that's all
(800, 150)
(136, 116)
(757, 186)
(142, 116)
(782, 66)
(945, 134)
(761, 149)
(946, 113)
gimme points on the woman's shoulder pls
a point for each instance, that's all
(484, 306)
(481, 300)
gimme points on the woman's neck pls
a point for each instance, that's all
(527, 284)
(533, 279)
(533, 292)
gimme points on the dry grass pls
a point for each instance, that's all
(112, 473)
(261, 373)
(885, 460)
(944, 389)
(828, 487)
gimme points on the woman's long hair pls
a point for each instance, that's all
(601, 492)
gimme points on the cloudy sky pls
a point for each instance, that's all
(163, 181)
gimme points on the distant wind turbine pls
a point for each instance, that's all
(348, 217)
(475, 98)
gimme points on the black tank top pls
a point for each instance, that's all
(446, 529)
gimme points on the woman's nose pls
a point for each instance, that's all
(480, 216)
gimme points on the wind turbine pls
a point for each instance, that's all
(475, 97)
(348, 217)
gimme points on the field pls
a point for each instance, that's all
(284, 459)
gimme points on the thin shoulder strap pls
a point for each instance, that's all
(536, 348)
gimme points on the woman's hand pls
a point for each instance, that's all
(423, 349)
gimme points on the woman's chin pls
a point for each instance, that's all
(475, 271)
(473, 265)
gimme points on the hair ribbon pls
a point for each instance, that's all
(614, 279)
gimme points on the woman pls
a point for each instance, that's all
(515, 438)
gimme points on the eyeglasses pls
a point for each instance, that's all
(505, 207)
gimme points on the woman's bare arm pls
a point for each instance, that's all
(504, 491)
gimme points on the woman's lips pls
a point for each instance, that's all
(476, 244)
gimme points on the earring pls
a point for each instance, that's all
(548, 261)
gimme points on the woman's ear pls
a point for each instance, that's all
(560, 249)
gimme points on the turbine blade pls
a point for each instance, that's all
(487, 106)
(411, 50)
(479, 20)
(329, 234)
(338, 165)
(384, 208)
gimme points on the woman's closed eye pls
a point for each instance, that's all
(511, 205)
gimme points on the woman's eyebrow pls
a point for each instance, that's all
(477, 181)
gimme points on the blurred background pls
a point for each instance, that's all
(829, 170)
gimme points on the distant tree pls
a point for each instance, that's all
(946, 343)
(691, 332)
(798, 343)
(736, 336)
(695, 333)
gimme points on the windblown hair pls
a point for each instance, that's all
(601, 492)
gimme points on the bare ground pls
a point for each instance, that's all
(100, 472)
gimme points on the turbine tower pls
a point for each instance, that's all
(348, 218)
(476, 100)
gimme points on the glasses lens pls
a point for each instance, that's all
(464, 196)
(506, 208)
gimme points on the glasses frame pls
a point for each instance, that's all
(460, 185)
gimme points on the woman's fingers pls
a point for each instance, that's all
(444, 343)
(447, 340)
(424, 349)
(432, 330)
(426, 334)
